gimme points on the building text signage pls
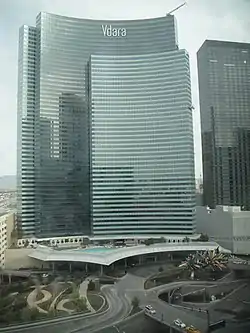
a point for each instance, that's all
(109, 31)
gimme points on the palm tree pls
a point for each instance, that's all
(213, 259)
(191, 264)
(135, 302)
(186, 239)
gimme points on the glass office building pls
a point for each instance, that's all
(105, 129)
(224, 71)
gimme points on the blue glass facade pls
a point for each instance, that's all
(224, 70)
(112, 132)
(142, 145)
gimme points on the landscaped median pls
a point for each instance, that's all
(173, 274)
(32, 318)
(31, 301)
(97, 301)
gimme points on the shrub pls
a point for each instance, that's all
(162, 240)
(186, 239)
(135, 302)
(149, 241)
(19, 303)
(203, 238)
(91, 285)
(29, 314)
(80, 304)
(52, 313)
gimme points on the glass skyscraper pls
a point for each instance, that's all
(105, 129)
(224, 72)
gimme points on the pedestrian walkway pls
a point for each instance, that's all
(83, 292)
(34, 303)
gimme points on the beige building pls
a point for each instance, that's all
(229, 226)
(19, 258)
(7, 223)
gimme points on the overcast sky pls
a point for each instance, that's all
(199, 20)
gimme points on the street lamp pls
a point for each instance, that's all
(208, 319)
(117, 329)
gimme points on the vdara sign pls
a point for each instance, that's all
(109, 31)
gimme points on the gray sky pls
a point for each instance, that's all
(199, 20)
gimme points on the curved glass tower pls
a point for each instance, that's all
(112, 137)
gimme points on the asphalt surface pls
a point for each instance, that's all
(119, 298)
(118, 309)
(137, 324)
(166, 313)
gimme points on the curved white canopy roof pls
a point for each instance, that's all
(108, 257)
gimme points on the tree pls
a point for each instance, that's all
(162, 240)
(214, 260)
(52, 313)
(29, 314)
(135, 302)
(19, 303)
(203, 238)
(81, 304)
(91, 285)
(12, 316)
(75, 291)
(85, 241)
(149, 241)
(14, 234)
(102, 242)
(26, 243)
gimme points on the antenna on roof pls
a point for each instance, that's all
(171, 12)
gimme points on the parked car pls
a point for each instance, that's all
(179, 323)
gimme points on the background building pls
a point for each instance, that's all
(227, 225)
(7, 223)
(199, 191)
(224, 71)
(105, 127)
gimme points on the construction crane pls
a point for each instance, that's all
(171, 12)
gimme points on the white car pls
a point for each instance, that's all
(179, 323)
(150, 309)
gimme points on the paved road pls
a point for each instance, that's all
(119, 297)
(119, 307)
(167, 313)
(130, 286)
(136, 324)
(118, 310)
(236, 300)
(237, 327)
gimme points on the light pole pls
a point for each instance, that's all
(171, 294)
(117, 329)
(208, 320)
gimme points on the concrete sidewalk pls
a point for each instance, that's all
(83, 292)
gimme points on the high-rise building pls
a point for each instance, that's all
(224, 85)
(105, 128)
